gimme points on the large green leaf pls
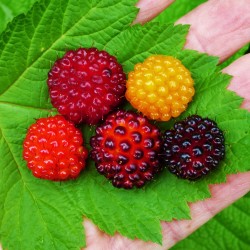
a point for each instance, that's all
(227, 230)
(38, 214)
(12, 8)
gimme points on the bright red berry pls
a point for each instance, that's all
(125, 149)
(86, 84)
(194, 147)
(53, 149)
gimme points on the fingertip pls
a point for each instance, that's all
(240, 82)
(223, 195)
(93, 235)
(149, 9)
(218, 28)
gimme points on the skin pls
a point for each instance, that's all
(218, 27)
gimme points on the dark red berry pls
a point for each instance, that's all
(86, 84)
(193, 148)
(126, 149)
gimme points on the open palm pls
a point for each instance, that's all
(218, 28)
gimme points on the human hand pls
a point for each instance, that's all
(218, 28)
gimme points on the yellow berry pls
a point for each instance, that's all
(141, 94)
(168, 99)
(160, 103)
(173, 85)
(176, 112)
(143, 105)
(162, 91)
(152, 98)
(138, 74)
(152, 109)
(176, 105)
(185, 99)
(131, 74)
(165, 117)
(138, 67)
(149, 86)
(165, 109)
(157, 68)
(155, 116)
(138, 82)
(160, 87)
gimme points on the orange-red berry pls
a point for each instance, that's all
(53, 149)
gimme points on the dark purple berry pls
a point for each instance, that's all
(193, 148)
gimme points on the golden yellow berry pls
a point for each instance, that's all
(160, 87)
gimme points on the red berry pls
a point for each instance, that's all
(125, 149)
(86, 84)
(194, 147)
(53, 149)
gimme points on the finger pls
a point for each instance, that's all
(150, 8)
(241, 80)
(218, 28)
(98, 240)
(95, 238)
(222, 196)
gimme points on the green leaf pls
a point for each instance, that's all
(227, 230)
(142, 41)
(11, 8)
(38, 214)
(29, 218)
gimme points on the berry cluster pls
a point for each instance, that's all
(85, 86)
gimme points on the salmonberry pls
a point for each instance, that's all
(125, 149)
(160, 87)
(53, 149)
(194, 147)
(86, 84)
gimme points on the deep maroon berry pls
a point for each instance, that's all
(86, 84)
(126, 149)
(193, 148)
